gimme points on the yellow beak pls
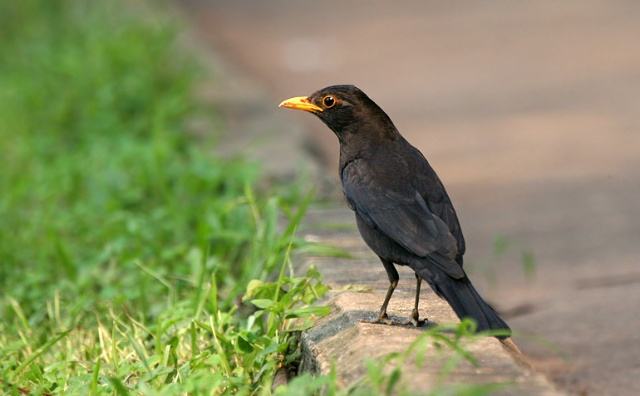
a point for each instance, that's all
(300, 103)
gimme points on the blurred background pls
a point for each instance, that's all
(132, 211)
(530, 114)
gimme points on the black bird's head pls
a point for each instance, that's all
(347, 111)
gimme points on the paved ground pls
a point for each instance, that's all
(529, 112)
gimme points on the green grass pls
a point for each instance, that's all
(125, 247)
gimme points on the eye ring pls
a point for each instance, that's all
(328, 101)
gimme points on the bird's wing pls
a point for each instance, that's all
(444, 209)
(435, 195)
(403, 216)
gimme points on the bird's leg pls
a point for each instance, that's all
(415, 315)
(383, 317)
(392, 273)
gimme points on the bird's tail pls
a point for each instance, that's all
(465, 301)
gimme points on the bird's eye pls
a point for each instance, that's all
(328, 101)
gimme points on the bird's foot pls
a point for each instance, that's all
(415, 320)
(383, 318)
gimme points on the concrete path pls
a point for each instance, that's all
(531, 115)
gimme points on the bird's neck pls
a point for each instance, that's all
(369, 134)
(363, 146)
(348, 154)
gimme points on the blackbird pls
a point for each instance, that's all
(402, 209)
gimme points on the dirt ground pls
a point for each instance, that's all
(530, 113)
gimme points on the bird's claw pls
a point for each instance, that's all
(415, 320)
(382, 319)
